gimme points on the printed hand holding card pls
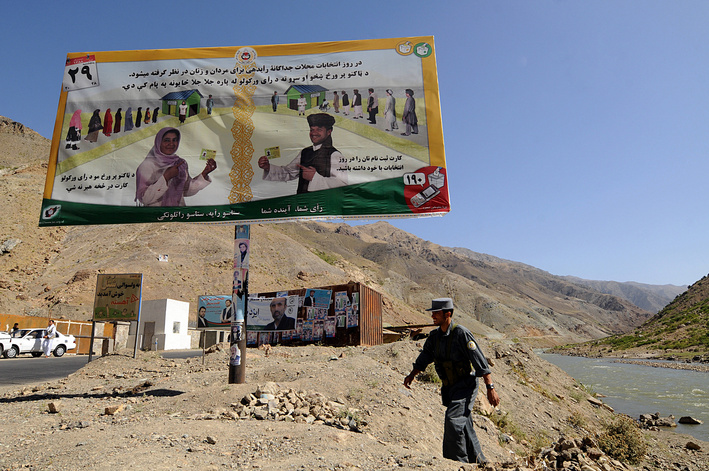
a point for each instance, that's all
(273, 152)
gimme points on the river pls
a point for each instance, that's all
(635, 389)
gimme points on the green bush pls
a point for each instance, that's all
(623, 440)
(429, 375)
(577, 420)
(325, 257)
(504, 423)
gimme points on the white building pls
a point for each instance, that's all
(163, 325)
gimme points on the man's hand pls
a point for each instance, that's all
(263, 163)
(307, 172)
(409, 379)
(493, 398)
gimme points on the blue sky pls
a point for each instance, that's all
(576, 132)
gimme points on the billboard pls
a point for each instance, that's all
(118, 297)
(215, 311)
(272, 314)
(342, 129)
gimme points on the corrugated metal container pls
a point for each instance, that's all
(370, 316)
(369, 329)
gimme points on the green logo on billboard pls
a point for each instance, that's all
(423, 50)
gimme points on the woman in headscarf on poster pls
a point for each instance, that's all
(117, 121)
(139, 117)
(147, 116)
(163, 179)
(155, 114)
(73, 136)
(107, 123)
(94, 126)
(129, 119)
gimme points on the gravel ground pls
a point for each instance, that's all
(153, 413)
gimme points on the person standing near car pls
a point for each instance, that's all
(49, 335)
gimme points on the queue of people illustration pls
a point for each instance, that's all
(129, 119)
(117, 121)
(111, 123)
(341, 102)
(107, 123)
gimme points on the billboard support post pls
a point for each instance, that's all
(240, 295)
(91, 345)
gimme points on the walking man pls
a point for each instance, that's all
(458, 362)
(274, 101)
(49, 335)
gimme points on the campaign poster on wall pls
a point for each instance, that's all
(340, 129)
(118, 297)
(215, 311)
(272, 314)
(317, 298)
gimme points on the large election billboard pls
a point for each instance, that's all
(250, 133)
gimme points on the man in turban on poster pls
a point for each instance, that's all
(228, 311)
(319, 167)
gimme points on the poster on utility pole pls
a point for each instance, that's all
(345, 129)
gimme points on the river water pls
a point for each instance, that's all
(635, 389)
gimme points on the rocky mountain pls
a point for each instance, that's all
(52, 270)
(679, 331)
(649, 297)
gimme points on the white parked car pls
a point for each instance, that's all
(4, 342)
(30, 341)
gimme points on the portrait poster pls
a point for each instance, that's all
(329, 326)
(234, 355)
(352, 318)
(218, 134)
(272, 314)
(341, 301)
(118, 297)
(264, 338)
(317, 298)
(241, 253)
(318, 329)
(240, 275)
(307, 334)
(215, 311)
(251, 337)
